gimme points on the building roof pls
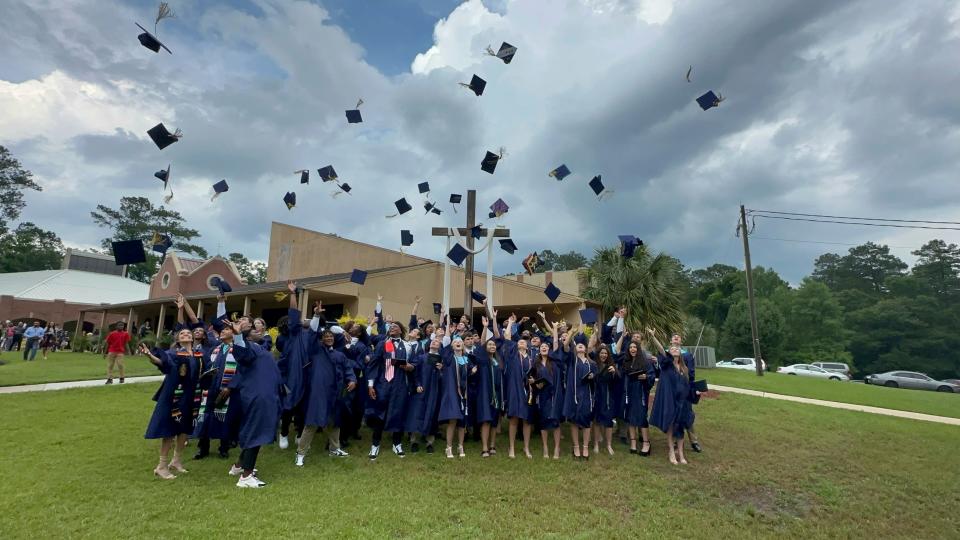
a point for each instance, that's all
(75, 286)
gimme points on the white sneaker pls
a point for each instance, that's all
(374, 452)
(250, 482)
(338, 453)
(460, 452)
(299, 461)
(234, 470)
(284, 442)
(398, 450)
(449, 452)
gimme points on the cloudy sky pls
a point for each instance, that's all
(832, 107)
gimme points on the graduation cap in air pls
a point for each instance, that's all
(507, 245)
(498, 208)
(304, 176)
(709, 100)
(505, 53)
(458, 254)
(455, 199)
(327, 174)
(358, 276)
(700, 386)
(476, 231)
(629, 244)
(161, 243)
(128, 252)
(344, 188)
(530, 263)
(221, 285)
(163, 138)
(588, 316)
(489, 163)
(479, 297)
(423, 187)
(552, 292)
(597, 186)
(437, 308)
(353, 115)
(402, 207)
(406, 238)
(163, 175)
(290, 199)
(431, 207)
(476, 84)
(560, 172)
(218, 188)
(150, 41)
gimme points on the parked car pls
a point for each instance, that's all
(910, 379)
(835, 367)
(808, 370)
(952, 381)
(747, 364)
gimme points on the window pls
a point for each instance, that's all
(165, 280)
(802, 367)
(818, 370)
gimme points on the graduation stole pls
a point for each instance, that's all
(229, 370)
(462, 390)
(497, 399)
(183, 371)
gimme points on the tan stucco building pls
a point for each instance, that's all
(321, 264)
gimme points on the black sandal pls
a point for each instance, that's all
(647, 452)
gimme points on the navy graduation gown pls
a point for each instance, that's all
(636, 398)
(392, 396)
(210, 425)
(671, 406)
(299, 345)
(329, 376)
(454, 387)
(578, 398)
(173, 413)
(609, 394)
(516, 390)
(423, 407)
(489, 398)
(549, 398)
(358, 355)
(258, 382)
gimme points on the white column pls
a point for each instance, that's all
(446, 281)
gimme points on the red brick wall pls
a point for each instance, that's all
(192, 283)
(56, 311)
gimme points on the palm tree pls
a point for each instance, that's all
(647, 285)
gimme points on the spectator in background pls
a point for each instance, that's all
(144, 329)
(33, 335)
(7, 336)
(117, 344)
(49, 340)
(18, 335)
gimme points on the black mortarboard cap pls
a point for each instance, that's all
(353, 116)
(700, 386)
(430, 207)
(507, 245)
(406, 237)
(327, 174)
(552, 292)
(437, 308)
(222, 285)
(455, 198)
(629, 244)
(220, 187)
(161, 243)
(588, 316)
(424, 187)
(560, 172)
(479, 297)
(403, 206)
(290, 199)
(506, 52)
(150, 41)
(458, 254)
(304, 176)
(499, 208)
(477, 85)
(163, 175)
(596, 185)
(708, 100)
(345, 187)
(161, 137)
(358, 276)
(476, 231)
(489, 163)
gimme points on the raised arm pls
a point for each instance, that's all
(656, 342)
(553, 331)
(221, 305)
(619, 345)
(493, 317)
(179, 301)
(592, 346)
(413, 314)
(509, 330)
(570, 333)
(149, 354)
(190, 314)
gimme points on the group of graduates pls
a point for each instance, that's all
(224, 383)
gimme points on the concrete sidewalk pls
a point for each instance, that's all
(837, 405)
(74, 384)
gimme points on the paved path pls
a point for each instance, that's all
(74, 384)
(837, 405)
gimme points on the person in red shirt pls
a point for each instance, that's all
(118, 342)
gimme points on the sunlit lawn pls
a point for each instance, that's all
(75, 465)
(65, 366)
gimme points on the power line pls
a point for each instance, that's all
(861, 224)
(854, 218)
(820, 242)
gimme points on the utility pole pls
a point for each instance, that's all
(753, 308)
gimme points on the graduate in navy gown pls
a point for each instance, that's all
(203, 345)
(298, 345)
(257, 387)
(578, 402)
(490, 388)
(608, 393)
(174, 413)
(457, 368)
(639, 374)
(690, 360)
(389, 384)
(216, 419)
(549, 394)
(672, 410)
(425, 401)
(266, 341)
(518, 393)
(358, 353)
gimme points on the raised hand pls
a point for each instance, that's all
(485, 322)
(379, 297)
(292, 286)
(317, 307)
(179, 301)
(416, 300)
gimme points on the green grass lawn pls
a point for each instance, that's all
(75, 465)
(65, 366)
(921, 401)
